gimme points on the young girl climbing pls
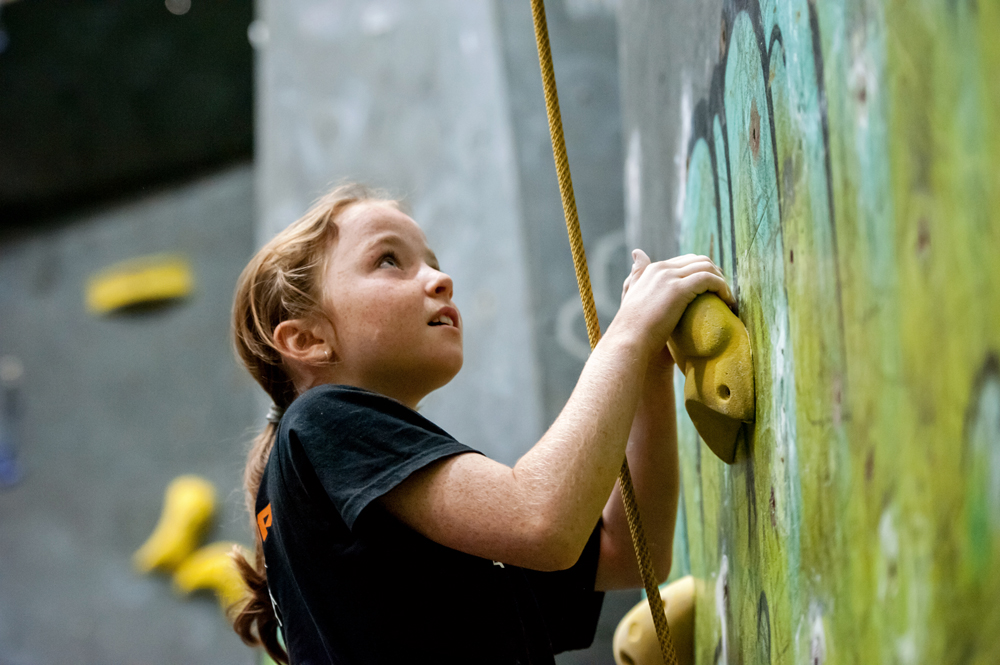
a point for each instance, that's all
(382, 539)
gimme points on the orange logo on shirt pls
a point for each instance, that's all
(264, 522)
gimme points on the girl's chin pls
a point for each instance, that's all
(450, 371)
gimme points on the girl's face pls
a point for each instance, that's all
(395, 327)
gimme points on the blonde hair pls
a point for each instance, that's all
(282, 282)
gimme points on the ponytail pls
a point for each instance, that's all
(255, 621)
(282, 282)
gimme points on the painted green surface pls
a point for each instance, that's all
(845, 172)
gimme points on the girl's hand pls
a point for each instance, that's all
(655, 295)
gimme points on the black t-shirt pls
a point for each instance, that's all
(352, 584)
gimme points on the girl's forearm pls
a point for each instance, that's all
(571, 471)
(653, 461)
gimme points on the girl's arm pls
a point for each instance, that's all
(540, 513)
(652, 457)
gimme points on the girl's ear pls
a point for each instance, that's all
(302, 341)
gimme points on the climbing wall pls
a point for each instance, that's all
(843, 167)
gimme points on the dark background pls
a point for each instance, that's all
(100, 99)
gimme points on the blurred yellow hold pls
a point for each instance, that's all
(188, 509)
(212, 568)
(635, 641)
(141, 281)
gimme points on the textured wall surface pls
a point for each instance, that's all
(842, 166)
(113, 408)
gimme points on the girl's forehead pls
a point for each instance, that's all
(366, 220)
(366, 226)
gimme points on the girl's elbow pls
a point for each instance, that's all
(556, 547)
(555, 560)
(664, 563)
(557, 553)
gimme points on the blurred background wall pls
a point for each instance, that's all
(200, 129)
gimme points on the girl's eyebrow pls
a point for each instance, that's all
(397, 240)
(385, 239)
(432, 260)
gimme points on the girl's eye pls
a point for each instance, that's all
(389, 259)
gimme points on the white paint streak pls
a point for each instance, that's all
(861, 80)
(633, 191)
(887, 536)
(817, 635)
(779, 353)
(906, 649)
(721, 593)
(607, 259)
(986, 441)
(889, 543)
(680, 157)
(782, 376)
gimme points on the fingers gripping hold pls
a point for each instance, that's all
(655, 294)
(701, 281)
(640, 261)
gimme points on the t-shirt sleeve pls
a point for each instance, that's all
(567, 599)
(362, 445)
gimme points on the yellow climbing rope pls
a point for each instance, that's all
(593, 326)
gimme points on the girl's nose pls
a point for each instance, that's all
(440, 284)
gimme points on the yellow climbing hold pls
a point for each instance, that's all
(712, 348)
(635, 640)
(140, 281)
(188, 508)
(212, 568)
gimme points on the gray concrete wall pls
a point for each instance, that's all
(667, 49)
(113, 408)
(584, 52)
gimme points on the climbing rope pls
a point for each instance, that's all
(593, 326)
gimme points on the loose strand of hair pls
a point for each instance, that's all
(254, 619)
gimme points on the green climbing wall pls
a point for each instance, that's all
(844, 169)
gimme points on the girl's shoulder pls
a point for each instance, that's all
(333, 404)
